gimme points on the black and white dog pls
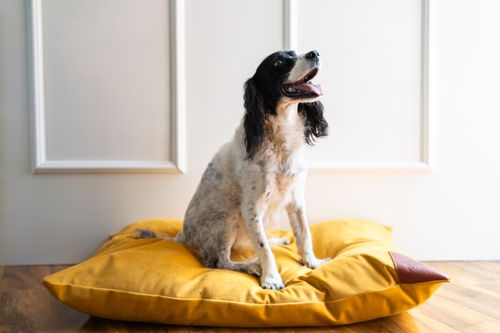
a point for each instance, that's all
(261, 171)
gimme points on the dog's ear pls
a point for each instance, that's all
(315, 124)
(254, 121)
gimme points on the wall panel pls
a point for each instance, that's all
(107, 83)
(374, 76)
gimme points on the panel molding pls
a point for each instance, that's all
(40, 162)
(426, 162)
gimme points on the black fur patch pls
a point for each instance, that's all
(262, 93)
(315, 124)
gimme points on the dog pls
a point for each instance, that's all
(261, 171)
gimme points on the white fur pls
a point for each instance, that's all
(237, 194)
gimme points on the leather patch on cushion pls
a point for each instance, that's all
(412, 271)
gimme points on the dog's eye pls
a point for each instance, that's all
(278, 63)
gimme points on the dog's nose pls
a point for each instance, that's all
(312, 54)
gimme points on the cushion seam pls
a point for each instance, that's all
(239, 302)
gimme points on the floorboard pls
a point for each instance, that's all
(471, 303)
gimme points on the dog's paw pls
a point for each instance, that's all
(254, 269)
(315, 262)
(272, 282)
(279, 241)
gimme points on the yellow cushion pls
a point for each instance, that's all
(157, 280)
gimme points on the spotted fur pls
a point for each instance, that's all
(258, 173)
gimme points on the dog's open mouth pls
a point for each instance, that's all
(304, 87)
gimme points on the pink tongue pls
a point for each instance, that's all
(309, 87)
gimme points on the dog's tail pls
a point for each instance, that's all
(146, 233)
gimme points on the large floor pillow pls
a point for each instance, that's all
(157, 280)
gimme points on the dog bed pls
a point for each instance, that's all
(157, 280)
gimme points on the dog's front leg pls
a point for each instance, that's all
(298, 220)
(253, 214)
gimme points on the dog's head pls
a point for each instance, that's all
(283, 77)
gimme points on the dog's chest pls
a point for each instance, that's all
(279, 187)
(282, 167)
(282, 182)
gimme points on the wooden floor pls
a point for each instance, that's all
(471, 303)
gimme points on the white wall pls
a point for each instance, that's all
(372, 166)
